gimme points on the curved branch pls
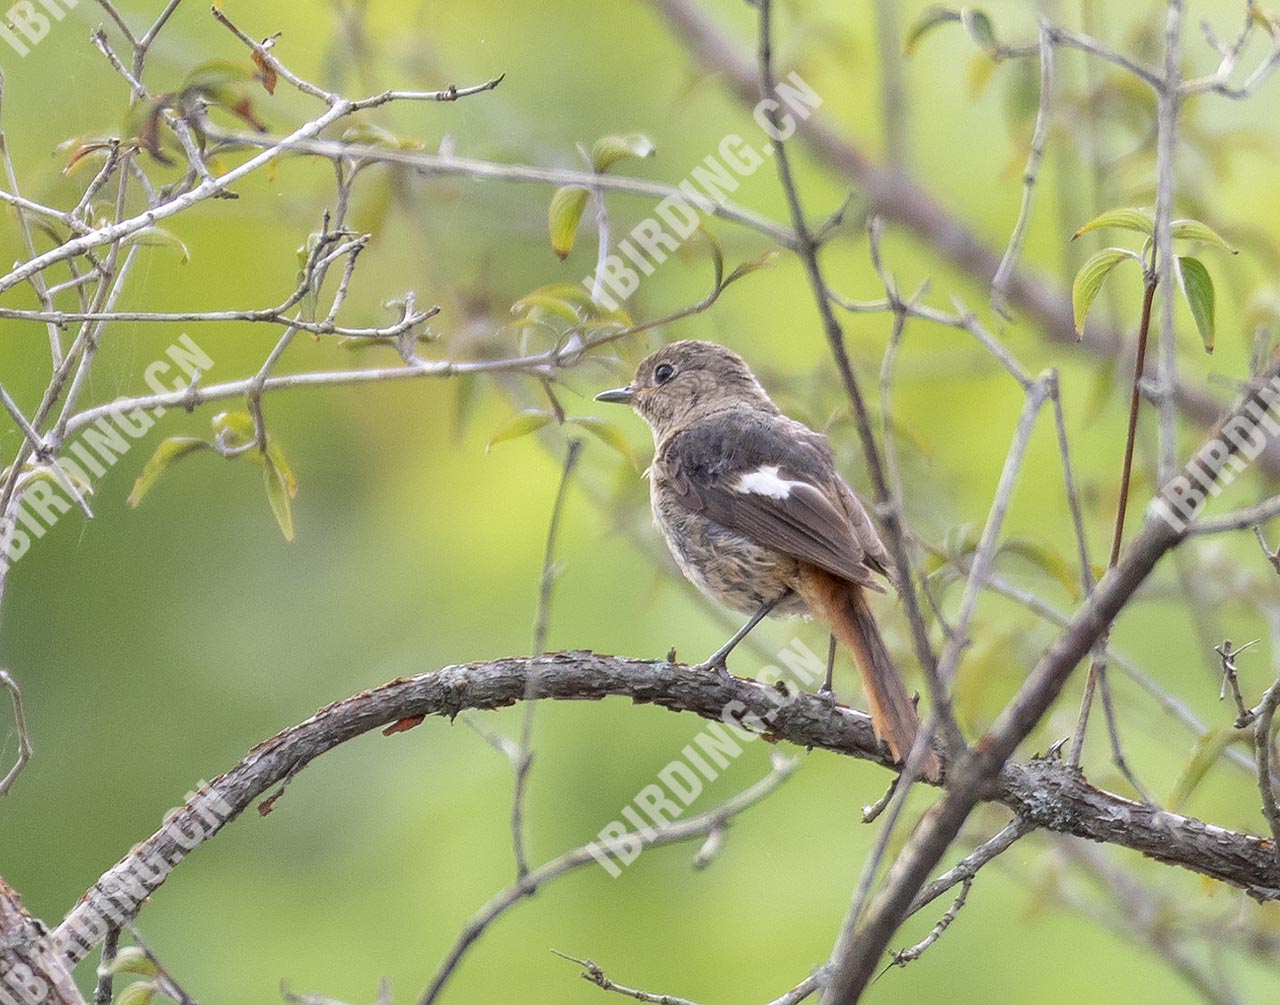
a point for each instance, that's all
(1046, 794)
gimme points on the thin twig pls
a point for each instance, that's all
(1030, 175)
(807, 248)
(592, 973)
(20, 726)
(1264, 716)
(681, 830)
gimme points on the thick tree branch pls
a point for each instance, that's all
(969, 780)
(1045, 793)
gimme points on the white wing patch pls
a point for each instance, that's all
(765, 481)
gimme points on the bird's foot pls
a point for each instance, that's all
(717, 665)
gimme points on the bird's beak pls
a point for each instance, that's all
(619, 395)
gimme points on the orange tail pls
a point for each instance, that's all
(844, 607)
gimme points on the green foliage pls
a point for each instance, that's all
(976, 21)
(1088, 281)
(568, 202)
(563, 216)
(1193, 278)
(1197, 288)
(235, 435)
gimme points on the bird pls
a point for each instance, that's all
(757, 516)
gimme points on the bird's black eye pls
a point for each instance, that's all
(663, 373)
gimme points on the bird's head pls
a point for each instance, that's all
(685, 381)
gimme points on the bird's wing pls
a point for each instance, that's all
(773, 481)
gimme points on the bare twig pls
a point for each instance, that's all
(20, 726)
(859, 954)
(1264, 716)
(901, 957)
(526, 886)
(1030, 175)
(593, 974)
(807, 249)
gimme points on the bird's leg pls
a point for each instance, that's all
(719, 659)
(826, 690)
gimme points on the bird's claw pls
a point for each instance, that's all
(720, 667)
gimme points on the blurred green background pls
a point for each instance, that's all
(156, 645)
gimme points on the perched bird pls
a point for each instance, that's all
(758, 518)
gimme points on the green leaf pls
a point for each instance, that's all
(1208, 750)
(168, 453)
(563, 216)
(1022, 97)
(1197, 287)
(138, 993)
(978, 74)
(981, 29)
(557, 297)
(764, 261)
(1088, 281)
(237, 427)
(280, 489)
(608, 150)
(608, 433)
(520, 424)
(158, 237)
(717, 254)
(275, 456)
(130, 960)
(1125, 219)
(368, 134)
(1194, 230)
(217, 73)
(536, 305)
(1047, 560)
(925, 23)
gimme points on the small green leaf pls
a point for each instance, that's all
(138, 993)
(1125, 219)
(280, 489)
(608, 433)
(1208, 750)
(158, 237)
(571, 300)
(608, 150)
(1088, 281)
(1022, 97)
(520, 424)
(129, 960)
(168, 453)
(764, 261)
(925, 23)
(978, 74)
(717, 254)
(536, 305)
(368, 134)
(1047, 560)
(217, 73)
(563, 216)
(234, 428)
(1197, 287)
(1194, 230)
(275, 455)
(981, 29)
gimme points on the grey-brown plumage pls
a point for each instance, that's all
(755, 512)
